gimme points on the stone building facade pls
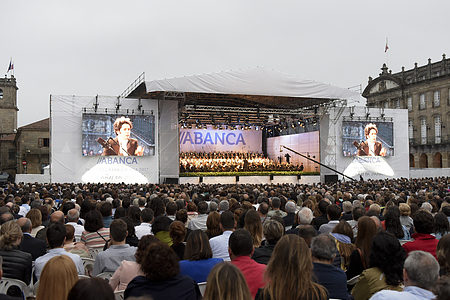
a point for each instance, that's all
(425, 92)
(24, 149)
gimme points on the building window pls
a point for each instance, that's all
(397, 103)
(423, 131)
(44, 142)
(410, 104)
(437, 98)
(1, 94)
(410, 129)
(422, 101)
(437, 129)
(386, 104)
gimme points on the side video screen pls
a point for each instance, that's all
(112, 134)
(363, 138)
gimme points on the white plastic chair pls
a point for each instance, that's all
(88, 264)
(93, 251)
(6, 283)
(105, 275)
(202, 287)
(119, 295)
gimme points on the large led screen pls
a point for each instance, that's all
(113, 134)
(363, 138)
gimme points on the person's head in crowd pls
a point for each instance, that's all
(73, 215)
(35, 216)
(141, 202)
(442, 288)
(405, 210)
(305, 216)
(147, 215)
(358, 212)
(115, 203)
(333, 212)
(446, 209)
(134, 213)
(57, 217)
(56, 235)
(441, 225)
(427, 206)
(143, 244)
(347, 207)
(254, 226)
(240, 243)
(70, 233)
(392, 222)
(213, 206)
(160, 229)
(5, 217)
(443, 254)
(227, 221)
(322, 207)
(35, 204)
(91, 289)
(213, 224)
(181, 216)
(159, 262)
(202, 207)
(158, 206)
(66, 206)
(323, 249)
(289, 272)
(273, 231)
(423, 222)
(57, 278)
(224, 205)
(290, 207)
(263, 209)
(197, 246)
(180, 204)
(118, 231)
(93, 221)
(25, 224)
(421, 269)
(374, 210)
(276, 203)
(10, 235)
(120, 213)
(388, 255)
(226, 282)
(106, 209)
(171, 208)
(177, 232)
(344, 228)
(307, 232)
(367, 229)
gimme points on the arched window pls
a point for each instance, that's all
(437, 160)
(423, 162)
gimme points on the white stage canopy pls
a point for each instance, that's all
(257, 81)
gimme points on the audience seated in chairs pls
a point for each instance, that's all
(70, 245)
(226, 282)
(95, 234)
(29, 244)
(273, 231)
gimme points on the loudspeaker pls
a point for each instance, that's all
(271, 177)
(200, 179)
(331, 178)
(237, 178)
(299, 177)
(171, 180)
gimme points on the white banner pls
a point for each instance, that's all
(215, 140)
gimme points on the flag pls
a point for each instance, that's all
(386, 48)
(11, 66)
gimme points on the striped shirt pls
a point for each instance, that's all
(95, 239)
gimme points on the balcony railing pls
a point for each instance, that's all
(430, 140)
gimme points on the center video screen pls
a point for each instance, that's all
(364, 138)
(114, 134)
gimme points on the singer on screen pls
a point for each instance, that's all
(122, 144)
(370, 147)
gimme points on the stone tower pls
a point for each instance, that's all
(8, 105)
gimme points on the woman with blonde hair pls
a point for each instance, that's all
(252, 222)
(57, 278)
(226, 282)
(289, 272)
(35, 217)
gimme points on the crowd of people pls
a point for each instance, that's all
(232, 162)
(380, 239)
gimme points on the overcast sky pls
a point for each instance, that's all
(100, 47)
